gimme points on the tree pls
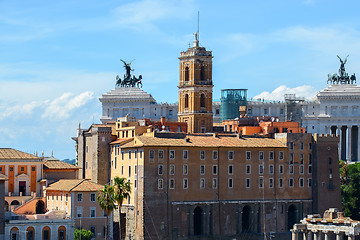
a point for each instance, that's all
(107, 203)
(122, 191)
(350, 189)
(83, 234)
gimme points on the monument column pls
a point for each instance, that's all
(294, 234)
(348, 143)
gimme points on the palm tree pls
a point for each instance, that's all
(122, 191)
(107, 203)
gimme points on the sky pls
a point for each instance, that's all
(58, 57)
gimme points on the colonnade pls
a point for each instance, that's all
(349, 141)
(320, 235)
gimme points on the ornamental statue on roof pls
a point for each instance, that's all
(128, 80)
(343, 76)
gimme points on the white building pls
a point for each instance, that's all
(137, 103)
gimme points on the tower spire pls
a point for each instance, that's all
(197, 37)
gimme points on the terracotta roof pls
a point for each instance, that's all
(207, 141)
(57, 164)
(121, 140)
(9, 153)
(75, 185)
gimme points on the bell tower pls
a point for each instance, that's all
(195, 88)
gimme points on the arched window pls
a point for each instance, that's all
(197, 221)
(202, 74)
(30, 233)
(186, 101)
(46, 233)
(186, 74)
(14, 233)
(62, 233)
(40, 207)
(202, 100)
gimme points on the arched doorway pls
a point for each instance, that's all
(245, 219)
(30, 233)
(40, 207)
(62, 233)
(46, 233)
(14, 233)
(14, 204)
(292, 216)
(197, 221)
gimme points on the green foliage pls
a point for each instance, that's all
(122, 190)
(106, 199)
(85, 234)
(350, 189)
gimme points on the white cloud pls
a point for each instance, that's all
(306, 91)
(61, 107)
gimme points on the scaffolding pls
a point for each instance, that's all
(231, 100)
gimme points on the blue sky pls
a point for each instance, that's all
(58, 57)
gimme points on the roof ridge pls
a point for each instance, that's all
(82, 180)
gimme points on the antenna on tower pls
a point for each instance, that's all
(198, 30)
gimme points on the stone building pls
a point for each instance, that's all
(218, 185)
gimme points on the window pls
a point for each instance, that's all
(215, 155)
(214, 183)
(261, 169)
(185, 183)
(129, 154)
(135, 154)
(185, 169)
(301, 169)
(140, 155)
(291, 146)
(230, 169)
(122, 170)
(281, 155)
(11, 169)
(271, 182)
(261, 182)
(22, 169)
(230, 183)
(92, 212)
(214, 170)
(231, 155)
(281, 169)
(186, 74)
(202, 100)
(310, 146)
(135, 183)
(247, 182)
(301, 146)
(79, 197)
(309, 182)
(261, 155)
(291, 160)
(248, 155)
(185, 154)
(301, 158)
(202, 169)
(122, 155)
(301, 182)
(271, 155)
(291, 169)
(310, 158)
(151, 155)
(291, 182)
(281, 183)
(172, 169)
(172, 154)
(202, 155)
(92, 197)
(161, 155)
(160, 169)
(310, 169)
(32, 169)
(135, 169)
(79, 212)
(202, 183)
(93, 230)
(248, 169)
(129, 171)
(160, 184)
(271, 169)
(172, 183)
